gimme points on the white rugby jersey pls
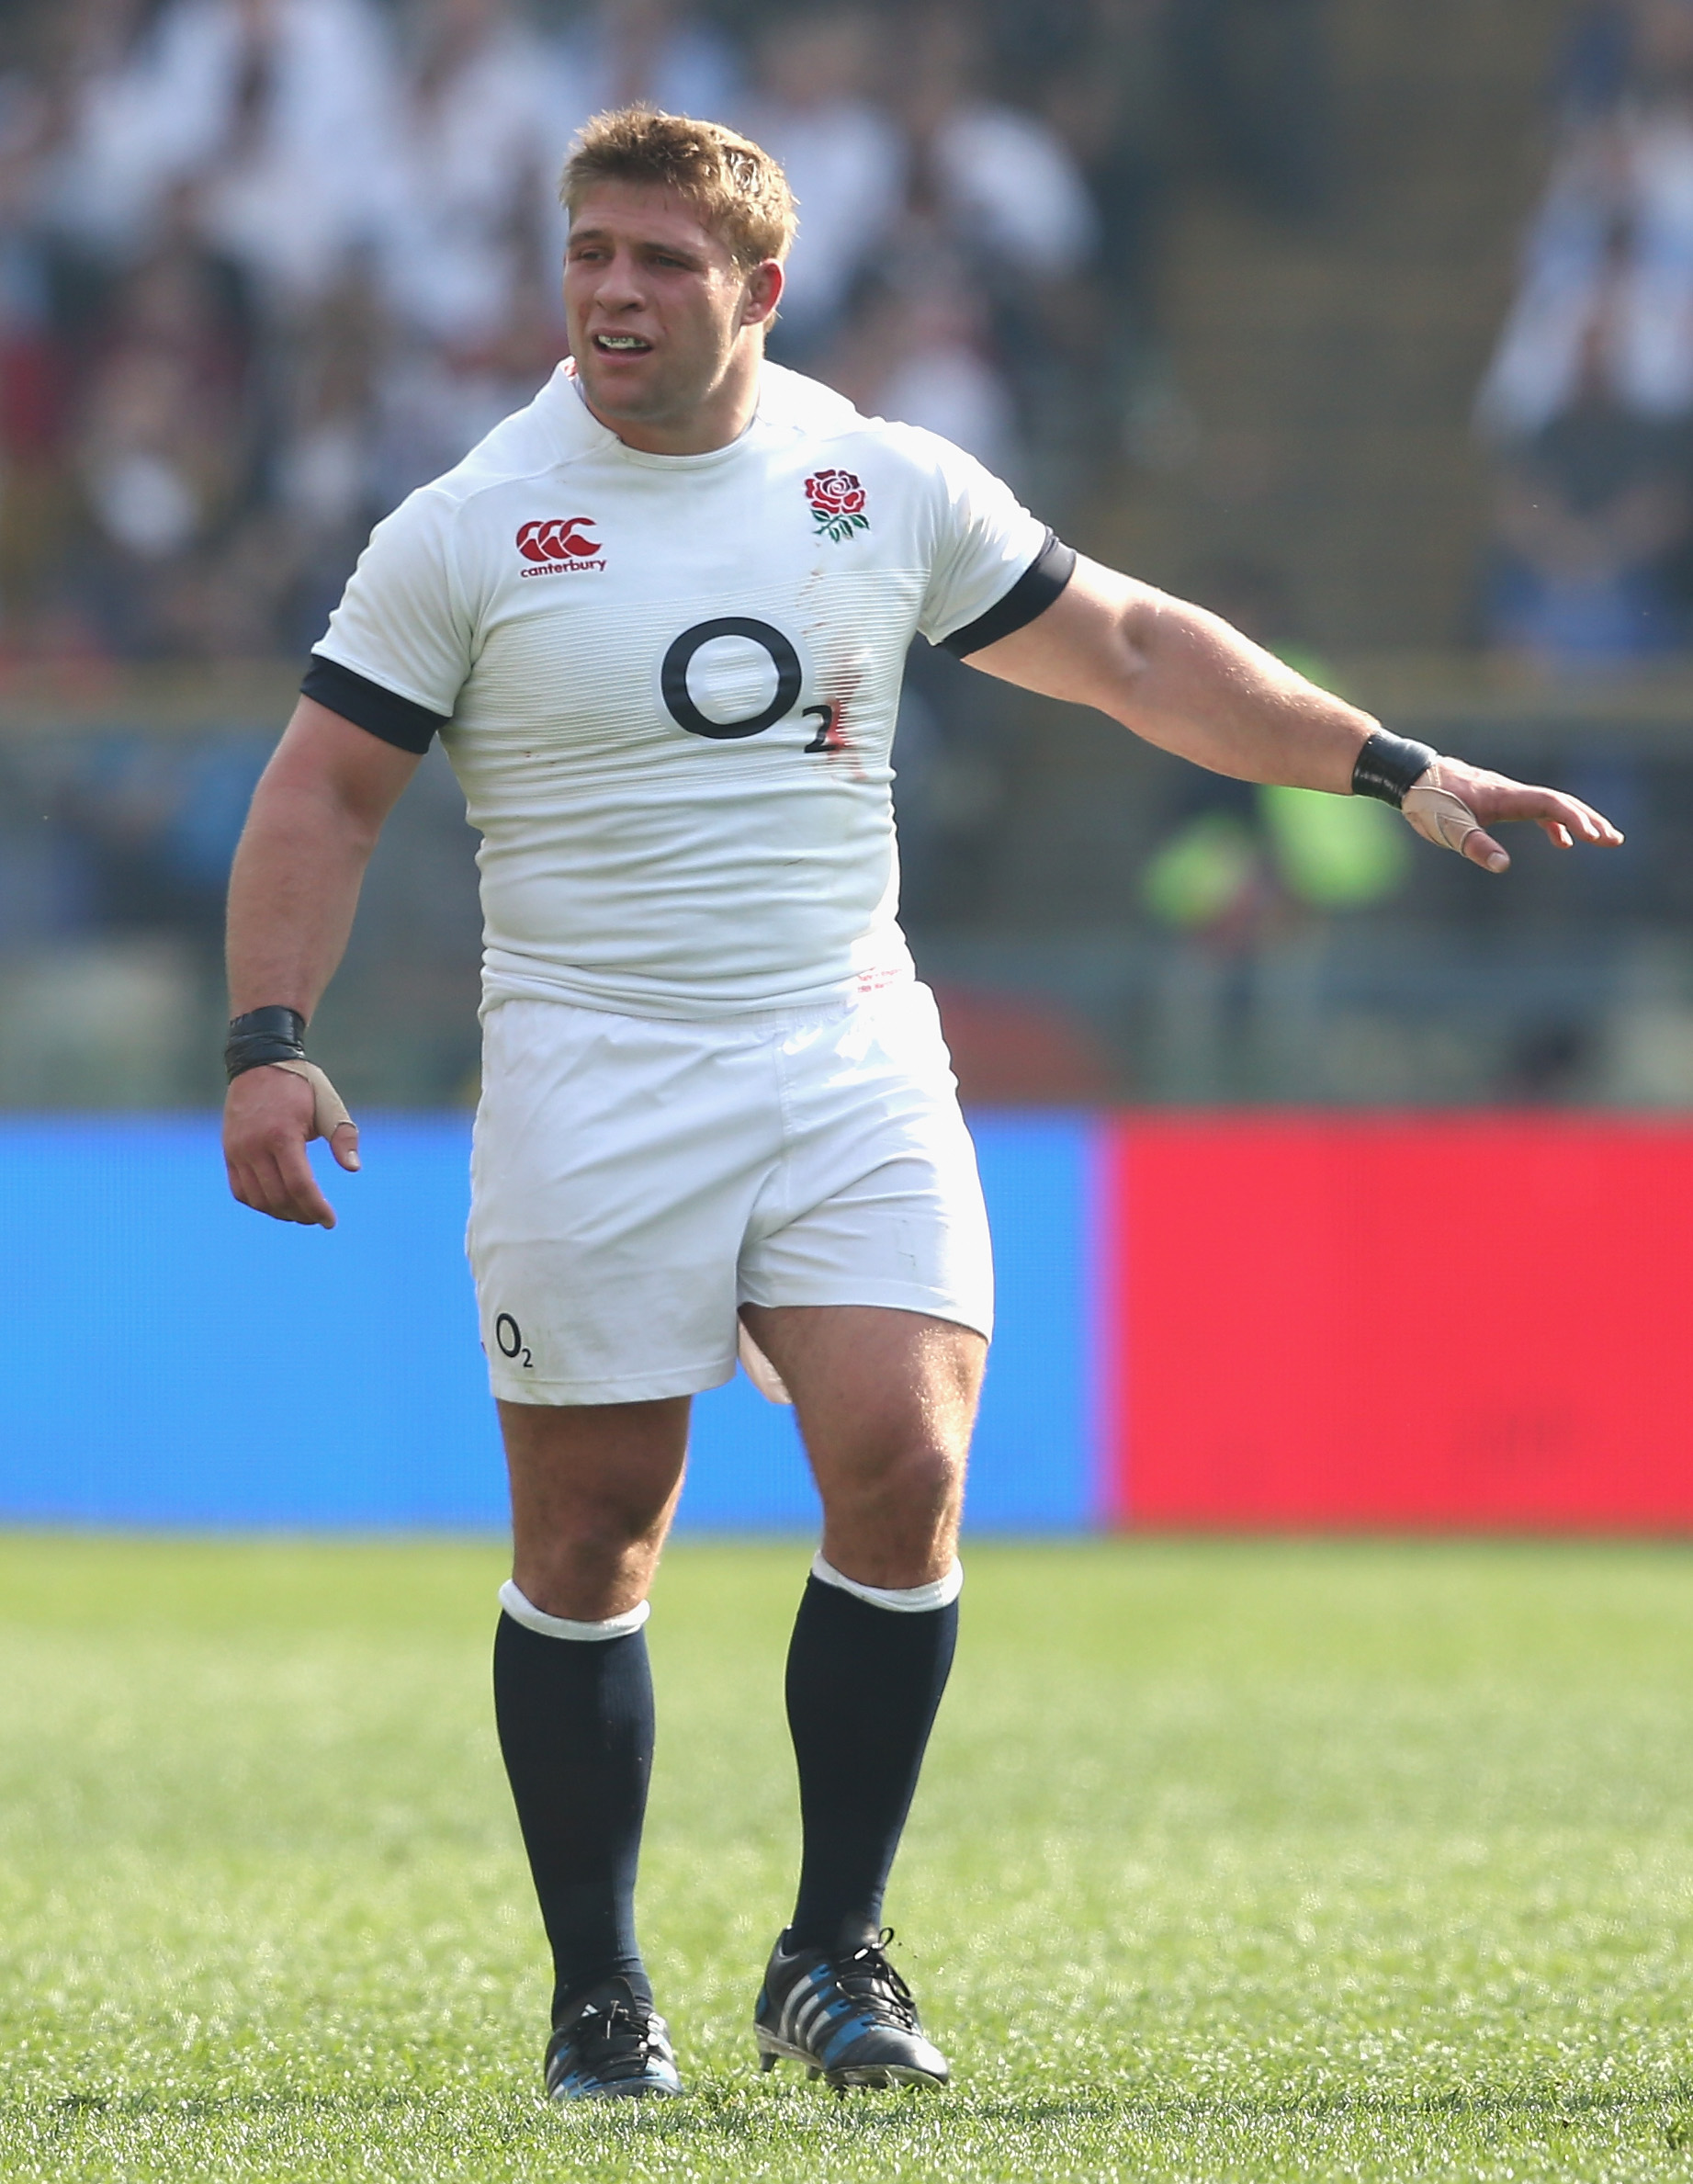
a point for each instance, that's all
(668, 686)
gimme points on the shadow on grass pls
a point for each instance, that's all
(746, 2112)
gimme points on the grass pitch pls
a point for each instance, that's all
(1233, 1861)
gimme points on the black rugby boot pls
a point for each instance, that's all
(611, 2045)
(846, 2014)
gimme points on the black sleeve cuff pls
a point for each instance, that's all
(396, 719)
(1031, 594)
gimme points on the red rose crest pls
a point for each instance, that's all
(837, 504)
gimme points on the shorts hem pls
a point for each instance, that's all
(627, 1387)
(893, 1297)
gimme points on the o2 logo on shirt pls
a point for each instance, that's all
(679, 698)
(559, 546)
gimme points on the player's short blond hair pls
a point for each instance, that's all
(741, 192)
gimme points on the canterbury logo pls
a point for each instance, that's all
(559, 539)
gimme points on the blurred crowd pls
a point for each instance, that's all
(266, 265)
(1588, 401)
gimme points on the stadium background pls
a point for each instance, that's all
(1371, 326)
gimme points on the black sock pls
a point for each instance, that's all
(863, 1683)
(575, 1720)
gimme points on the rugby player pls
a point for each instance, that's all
(659, 619)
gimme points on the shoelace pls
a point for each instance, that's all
(617, 2023)
(870, 1980)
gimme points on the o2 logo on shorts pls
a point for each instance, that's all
(509, 1341)
(674, 678)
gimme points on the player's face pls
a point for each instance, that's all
(663, 322)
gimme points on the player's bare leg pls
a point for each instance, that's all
(886, 1400)
(592, 1491)
(593, 1488)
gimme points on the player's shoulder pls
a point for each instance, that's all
(534, 442)
(535, 439)
(792, 404)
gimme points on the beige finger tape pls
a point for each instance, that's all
(1440, 818)
(328, 1111)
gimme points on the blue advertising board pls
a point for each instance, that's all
(168, 1358)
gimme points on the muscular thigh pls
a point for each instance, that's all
(593, 1489)
(887, 1402)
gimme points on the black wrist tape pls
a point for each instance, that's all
(263, 1036)
(1388, 765)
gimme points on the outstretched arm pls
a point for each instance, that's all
(1184, 680)
(316, 814)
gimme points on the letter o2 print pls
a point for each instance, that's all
(674, 678)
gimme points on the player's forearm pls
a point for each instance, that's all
(1184, 680)
(292, 894)
(1193, 684)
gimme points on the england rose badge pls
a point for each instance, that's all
(837, 504)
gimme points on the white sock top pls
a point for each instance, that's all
(914, 1600)
(523, 1610)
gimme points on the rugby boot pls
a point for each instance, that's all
(846, 2015)
(610, 2046)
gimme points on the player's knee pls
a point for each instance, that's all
(589, 1543)
(912, 1478)
(592, 1530)
(931, 1479)
(586, 1575)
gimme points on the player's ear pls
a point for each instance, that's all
(764, 287)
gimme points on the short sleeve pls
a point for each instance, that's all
(403, 622)
(986, 543)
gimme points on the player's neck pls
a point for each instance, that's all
(717, 422)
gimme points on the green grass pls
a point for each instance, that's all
(1233, 1861)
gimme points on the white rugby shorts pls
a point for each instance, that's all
(636, 1180)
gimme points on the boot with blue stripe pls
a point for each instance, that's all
(846, 2015)
(611, 2045)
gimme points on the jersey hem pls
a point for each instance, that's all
(856, 987)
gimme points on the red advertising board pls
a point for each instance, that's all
(1323, 1320)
